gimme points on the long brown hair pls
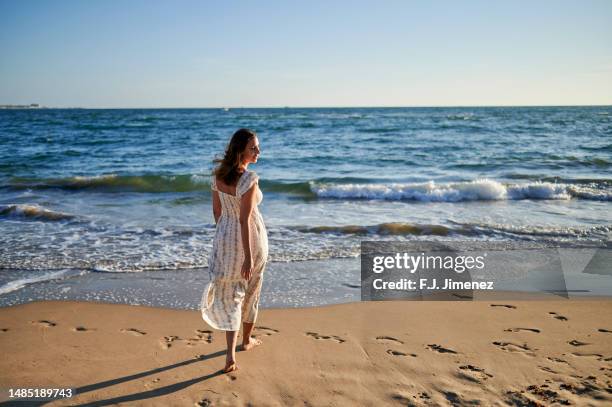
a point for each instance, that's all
(227, 167)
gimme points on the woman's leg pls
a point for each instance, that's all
(247, 341)
(230, 359)
(250, 308)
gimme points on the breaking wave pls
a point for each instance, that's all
(478, 190)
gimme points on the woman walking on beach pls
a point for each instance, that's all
(240, 246)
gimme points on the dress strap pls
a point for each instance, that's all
(246, 182)
(213, 183)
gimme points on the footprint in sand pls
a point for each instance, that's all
(330, 337)
(404, 400)
(201, 336)
(44, 323)
(455, 399)
(386, 339)
(590, 388)
(504, 305)
(166, 341)
(558, 360)
(440, 349)
(522, 329)
(513, 347)
(576, 343)
(518, 398)
(557, 316)
(132, 331)
(82, 329)
(204, 403)
(473, 373)
(588, 355)
(264, 330)
(424, 396)
(545, 394)
(398, 353)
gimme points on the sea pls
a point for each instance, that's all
(114, 205)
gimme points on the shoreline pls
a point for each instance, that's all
(302, 284)
(417, 353)
(292, 284)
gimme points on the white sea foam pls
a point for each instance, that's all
(592, 194)
(199, 179)
(538, 190)
(478, 190)
(22, 282)
(93, 177)
(540, 231)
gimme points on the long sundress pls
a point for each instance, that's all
(228, 299)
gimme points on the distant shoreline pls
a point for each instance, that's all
(30, 106)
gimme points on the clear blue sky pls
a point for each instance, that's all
(312, 53)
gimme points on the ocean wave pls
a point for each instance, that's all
(152, 183)
(589, 193)
(377, 130)
(582, 161)
(478, 190)
(465, 116)
(393, 228)
(22, 282)
(476, 230)
(570, 232)
(592, 182)
(117, 183)
(607, 147)
(348, 188)
(28, 211)
(119, 250)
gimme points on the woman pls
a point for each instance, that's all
(240, 246)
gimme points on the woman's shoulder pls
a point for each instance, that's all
(247, 180)
(251, 174)
(248, 176)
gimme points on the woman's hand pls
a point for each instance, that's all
(247, 269)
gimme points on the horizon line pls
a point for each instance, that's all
(285, 107)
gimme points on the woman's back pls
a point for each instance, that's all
(230, 195)
(230, 202)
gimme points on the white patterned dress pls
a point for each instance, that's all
(229, 299)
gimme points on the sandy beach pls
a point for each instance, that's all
(544, 352)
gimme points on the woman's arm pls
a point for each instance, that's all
(247, 202)
(216, 206)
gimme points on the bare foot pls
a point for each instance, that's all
(251, 344)
(230, 366)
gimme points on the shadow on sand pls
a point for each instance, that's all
(161, 391)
